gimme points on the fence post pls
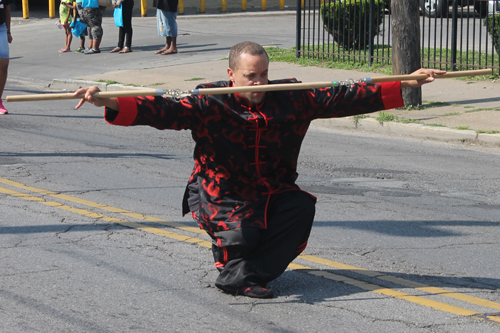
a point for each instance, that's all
(298, 27)
(370, 33)
(454, 28)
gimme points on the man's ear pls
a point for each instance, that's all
(230, 73)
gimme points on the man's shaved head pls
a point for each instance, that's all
(244, 47)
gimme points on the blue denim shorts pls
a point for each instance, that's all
(4, 44)
(166, 23)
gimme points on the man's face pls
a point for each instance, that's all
(252, 70)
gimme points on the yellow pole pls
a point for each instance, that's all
(243, 5)
(263, 4)
(282, 4)
(144, 8)
(202, 6)
(26, 9)
(302, 4)
(223, 6)
(52, 8)
(181, 6)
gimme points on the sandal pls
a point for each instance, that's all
(125, 50)
(116, 49)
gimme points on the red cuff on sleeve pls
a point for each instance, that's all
(128, 111)
(391, 94)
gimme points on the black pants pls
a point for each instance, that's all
(125, 32)
(253, 256)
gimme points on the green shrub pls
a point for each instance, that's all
(492, 24)
(348, 21)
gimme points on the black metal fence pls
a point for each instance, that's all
(454, 37)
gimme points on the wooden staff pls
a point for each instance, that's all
(232, 90)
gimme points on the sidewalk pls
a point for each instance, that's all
(471, 106)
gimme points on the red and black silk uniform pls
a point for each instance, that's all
(246, 154)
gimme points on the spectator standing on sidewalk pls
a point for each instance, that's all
(124, 32)
(93, 18)
(77, 10)
(5, 40)
(242, 190)
(65, 19)
(166, 21)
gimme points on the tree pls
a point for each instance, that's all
(406, 44)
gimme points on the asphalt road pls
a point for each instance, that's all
(405, 238)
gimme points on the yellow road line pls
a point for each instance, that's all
(94, 215)
(339, 278)
(403, 282)
(101, 206)
(388, 292)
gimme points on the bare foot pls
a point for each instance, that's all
(174, 51)
(161, 50)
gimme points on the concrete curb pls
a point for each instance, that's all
(72, 85)
(369, 124)
(410, 130)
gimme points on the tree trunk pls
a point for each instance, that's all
(406, 44)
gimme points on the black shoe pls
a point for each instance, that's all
(258, 292)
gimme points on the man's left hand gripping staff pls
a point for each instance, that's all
(89, 92)
(417, 83)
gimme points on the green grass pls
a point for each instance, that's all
(356, 118)
(321, 55)
(409, 121)
(195, 79)
(435, 125)
(488, 132)
(109, 81)
(462, 128)
(483, 109)
(385, 117)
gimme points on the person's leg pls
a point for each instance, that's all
(128, 7)
(162, 28)
(4, 63)
(85, 32)
(171, 21)
(69, 37)
(121, 38)
(290, 217)
(98, 28)
(94, 22)
(87, 16)
(97, 44)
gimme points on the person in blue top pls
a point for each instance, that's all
(5, 40)
(124, 32)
